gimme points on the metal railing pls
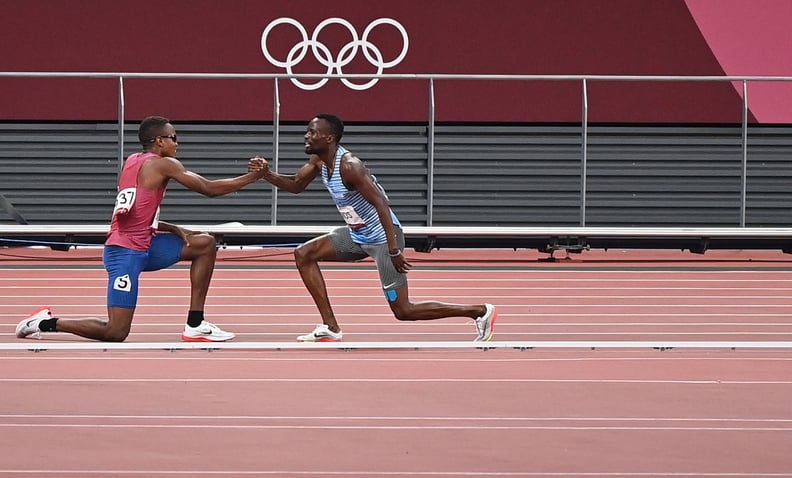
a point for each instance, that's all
(584, 80)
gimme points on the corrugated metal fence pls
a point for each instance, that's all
(483, 175)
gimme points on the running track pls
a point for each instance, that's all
(590, 398)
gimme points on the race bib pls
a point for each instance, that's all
(124, 201)
(351, 217)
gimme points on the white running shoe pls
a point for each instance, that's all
(206, 332)
(30, 324)
(486, 324)
(321, 333)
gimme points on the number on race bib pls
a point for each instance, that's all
(124, 201)
(351, 217)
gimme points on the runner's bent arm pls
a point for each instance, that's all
(355, 175)
(295, 183)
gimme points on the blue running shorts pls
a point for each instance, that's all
(124, 266)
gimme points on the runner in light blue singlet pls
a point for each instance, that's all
(359, 214)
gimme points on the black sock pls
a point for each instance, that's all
(47, 325)
(195, 317)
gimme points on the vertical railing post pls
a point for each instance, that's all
(744, 178)
(275, 149)
(430, 157)
(584, 156)
(120, 125)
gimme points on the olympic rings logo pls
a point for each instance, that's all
(344, 57)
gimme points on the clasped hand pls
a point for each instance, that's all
(258, 166)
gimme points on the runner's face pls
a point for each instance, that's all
(316, 136)
(168, 141)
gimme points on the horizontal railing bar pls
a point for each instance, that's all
(438, 231)
(387, 76)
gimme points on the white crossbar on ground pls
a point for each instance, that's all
(37, 345)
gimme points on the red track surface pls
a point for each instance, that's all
(411, 412)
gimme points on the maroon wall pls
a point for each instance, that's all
(564, 37)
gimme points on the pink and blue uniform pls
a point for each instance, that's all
(132, 245)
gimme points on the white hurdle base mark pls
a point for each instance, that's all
(37, 345)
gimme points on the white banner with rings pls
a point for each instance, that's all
(335, 63)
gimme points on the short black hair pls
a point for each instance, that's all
(150, 128)
(336, 125)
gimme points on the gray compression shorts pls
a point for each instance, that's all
(349, 251)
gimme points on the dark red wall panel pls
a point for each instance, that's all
(532, 37)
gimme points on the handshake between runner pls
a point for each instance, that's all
(258, 165)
